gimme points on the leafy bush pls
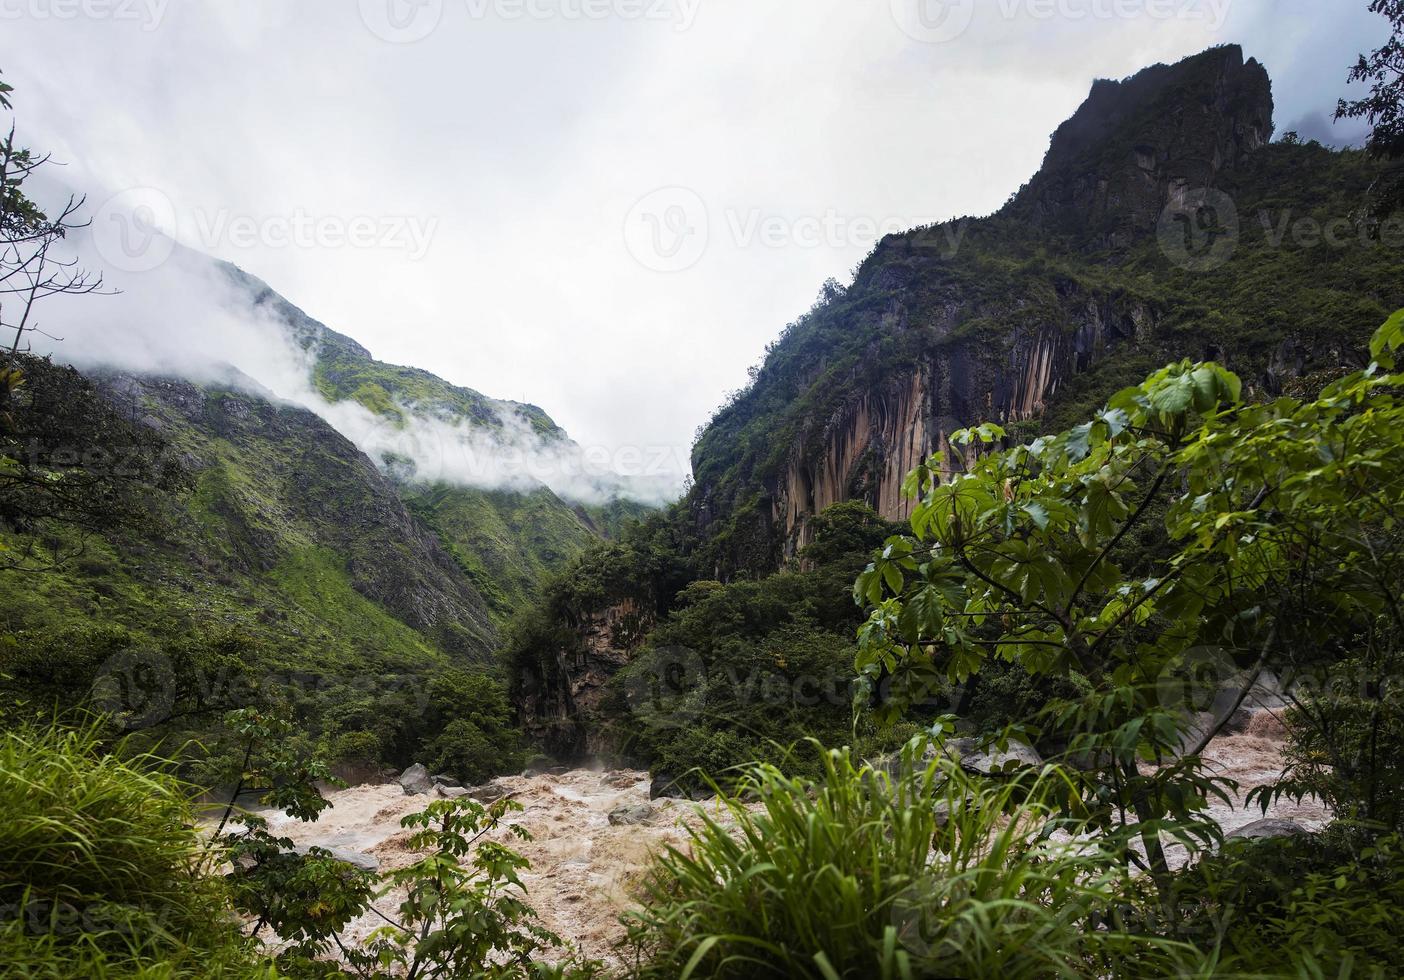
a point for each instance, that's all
(464, 913)
(1307, 905)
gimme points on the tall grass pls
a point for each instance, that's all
(100, 867)
(865, 875)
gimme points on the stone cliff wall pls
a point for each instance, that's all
(559, 701)
(866, 449)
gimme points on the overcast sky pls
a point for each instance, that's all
(604, 207)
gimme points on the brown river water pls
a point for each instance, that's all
(584, 871)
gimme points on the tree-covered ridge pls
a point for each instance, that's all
(1290, 281)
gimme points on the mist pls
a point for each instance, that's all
(186, 317)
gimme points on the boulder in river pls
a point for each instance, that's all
(415, 780)
(986, 761)
(629, 816)
(488, 792)
(1259, 829)
(442, 780)
(366, 862)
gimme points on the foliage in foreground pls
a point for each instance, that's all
(1283, 552)
(1310, 905)
(927, 871)
(104, 873)
(102, 867)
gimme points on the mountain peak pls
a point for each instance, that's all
(1110, 166)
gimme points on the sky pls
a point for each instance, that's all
(603, 207)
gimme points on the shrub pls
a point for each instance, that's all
(1311, 905)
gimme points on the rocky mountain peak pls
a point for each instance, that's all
(1133, 144)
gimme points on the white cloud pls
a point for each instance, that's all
(526, 140)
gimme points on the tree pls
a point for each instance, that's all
(1383, 108)
(30, 269)
(1181, 541)
(64, 458)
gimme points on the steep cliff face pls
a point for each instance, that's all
(1094, 273)
(560, 700)
(1113, 166)
(865, 450)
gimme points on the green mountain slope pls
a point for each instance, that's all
(507, 543)
(287, 533)
(505, 540)
(1163, 224)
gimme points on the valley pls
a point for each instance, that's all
(1033, 609)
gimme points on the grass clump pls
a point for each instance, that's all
(100, 867)
(863, 873)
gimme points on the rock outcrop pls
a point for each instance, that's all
(1005, 318)
(1137, 144)
(415, 781)
(1270, 827)
(558, 700)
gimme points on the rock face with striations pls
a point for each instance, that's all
(558, 699)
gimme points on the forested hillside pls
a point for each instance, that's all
(272, 555)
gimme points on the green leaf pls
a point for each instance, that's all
(1387, 340)
(1038, 514)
